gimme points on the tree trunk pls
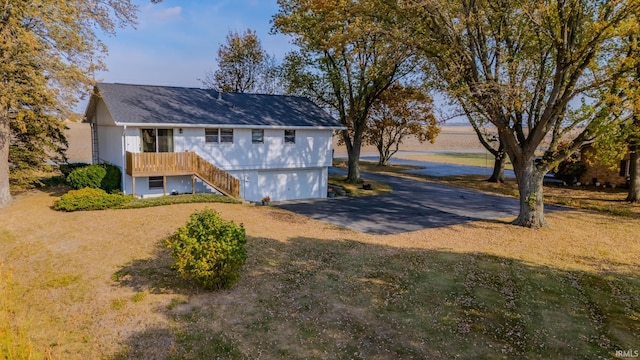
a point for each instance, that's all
(531, 196)
(5, 136)
(498, 168)
(383, 159)
(383, 155)
(634, 176)
(354, 161)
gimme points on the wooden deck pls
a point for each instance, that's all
(184, 163)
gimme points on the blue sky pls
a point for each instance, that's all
(176, 41)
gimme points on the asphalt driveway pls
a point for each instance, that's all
(413, 205)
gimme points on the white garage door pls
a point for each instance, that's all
(290, 185)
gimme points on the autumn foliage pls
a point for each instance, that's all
(398, 113)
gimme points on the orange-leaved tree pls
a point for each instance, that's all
(400, 112)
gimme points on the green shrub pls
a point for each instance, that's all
(111, 180)
(89, 199)
(570, 171)
(90, 176)
(104, 176)
(209, 250)
(67, 168)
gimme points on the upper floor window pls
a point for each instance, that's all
(211, 135)
(289, 136)
(226, 135)
(214, 136)
(257, 136)
(157, 140)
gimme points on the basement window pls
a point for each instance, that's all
(156, 182)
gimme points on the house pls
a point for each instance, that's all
(183, 140)
(598, 172)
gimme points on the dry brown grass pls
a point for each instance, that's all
(310, 289)
(356, 190)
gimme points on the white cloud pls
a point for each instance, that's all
(152, 14)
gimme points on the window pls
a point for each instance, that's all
(157, 140)
(257, 136)
(289, 136)
(226, 135)
(156, 182)
(211, 136)
(215, 136)
(165, 140)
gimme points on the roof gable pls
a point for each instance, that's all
(144, 104)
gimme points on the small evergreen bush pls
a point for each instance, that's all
(111, 180)
(90, 176)
(209, 250)
(89, 199)
(103, 176)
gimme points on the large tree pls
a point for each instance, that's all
(243, 66)
(622, 103)
(48, 50)
(523, 65)
(350, 53)
(400, 112)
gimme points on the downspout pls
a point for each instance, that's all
(124, 161)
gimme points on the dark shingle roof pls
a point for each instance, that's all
(145, 104)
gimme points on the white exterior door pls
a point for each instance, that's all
(290, 184)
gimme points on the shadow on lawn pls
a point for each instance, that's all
(311, 298)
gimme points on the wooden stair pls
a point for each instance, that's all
(184, 163)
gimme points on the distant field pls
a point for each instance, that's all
(469, 159)
(450, 138)
(79, 137)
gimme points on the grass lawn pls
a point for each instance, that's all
(355, 190)
(99, 285)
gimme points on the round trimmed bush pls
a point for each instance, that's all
(209, 250)
(90, 176)
(103, 176)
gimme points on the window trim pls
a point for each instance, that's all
(288, 138)
(260, 132)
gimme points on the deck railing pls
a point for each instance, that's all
(182, 163)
